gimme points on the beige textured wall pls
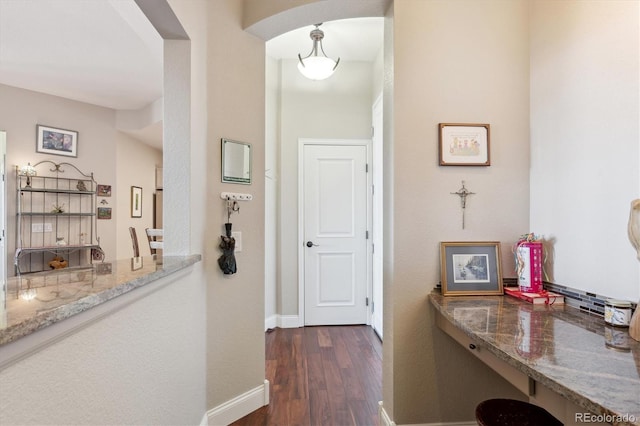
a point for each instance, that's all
(235, 80)
(454, 61)
(585, 128)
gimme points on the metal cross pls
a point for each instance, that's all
(463, 193)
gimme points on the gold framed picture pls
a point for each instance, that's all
(470, 268)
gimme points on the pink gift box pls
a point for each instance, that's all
(529, 266)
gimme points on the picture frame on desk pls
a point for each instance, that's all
(471, 268)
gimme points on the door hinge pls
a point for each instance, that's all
(373, 306)
(373, 131)
(367, 301)
(366, 168)
(367, 233)
(373, 248)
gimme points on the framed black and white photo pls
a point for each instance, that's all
(51, 140)
(136, 201)
(470, 268)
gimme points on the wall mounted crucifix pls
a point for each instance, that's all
(463, 193)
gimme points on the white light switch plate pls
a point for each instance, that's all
(238, 238)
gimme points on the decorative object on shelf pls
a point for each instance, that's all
(633, 229)
(470, 268)
(51, 140)
(29, 171)
(464, 144)
(104, 212)
(97, 253)
(315, 66)
(104, 202)
(58, 263)
(81, 186)
(463, 193)
(58, 208)
(104, 191)
(136, 201)
(60, 241)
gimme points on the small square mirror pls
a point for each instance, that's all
(236, 162)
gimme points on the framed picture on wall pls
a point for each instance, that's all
(51, 140)
(104, 190)
(464, 144)
(104, 212)
(136, 201)
(470, 268)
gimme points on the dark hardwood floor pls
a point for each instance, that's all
(321, 376)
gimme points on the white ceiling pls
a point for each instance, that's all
(106, 53)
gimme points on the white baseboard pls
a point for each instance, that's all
(282, 321)
(385, 420)
(288, 321)
(239, 406)
(270, 322)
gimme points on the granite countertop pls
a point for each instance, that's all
(573, 353)
(35, 301)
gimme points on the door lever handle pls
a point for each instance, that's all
(310, 244)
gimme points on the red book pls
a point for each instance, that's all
(537, 298)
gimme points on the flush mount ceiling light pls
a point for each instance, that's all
(315, 66)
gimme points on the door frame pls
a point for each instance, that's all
(301, 225)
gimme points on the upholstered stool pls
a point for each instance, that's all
(511, 412)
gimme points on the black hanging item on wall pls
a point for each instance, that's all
(227, 261)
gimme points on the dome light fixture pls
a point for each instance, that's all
(315, 66)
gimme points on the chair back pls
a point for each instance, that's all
(154, 236)
(134, 241)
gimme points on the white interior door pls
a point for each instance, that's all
(335, 219)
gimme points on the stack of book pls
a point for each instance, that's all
(537, 298)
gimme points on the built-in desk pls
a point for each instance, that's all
(570, 362)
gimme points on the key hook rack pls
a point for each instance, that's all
(232, 199)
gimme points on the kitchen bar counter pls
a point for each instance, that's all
(573, 354)
(36, 301)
